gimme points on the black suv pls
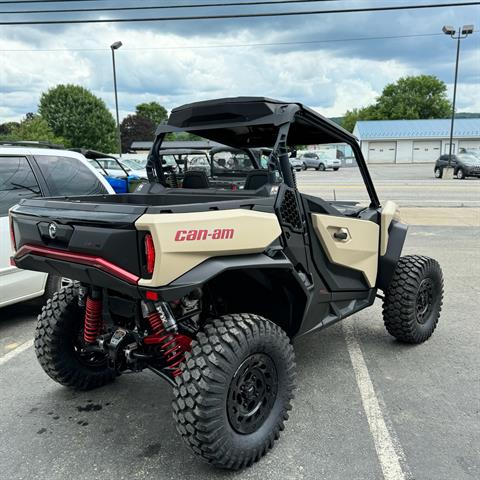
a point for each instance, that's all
(464, 165)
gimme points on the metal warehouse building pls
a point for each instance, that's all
(414, 141)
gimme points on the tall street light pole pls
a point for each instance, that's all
(116, 46)
(463, 32)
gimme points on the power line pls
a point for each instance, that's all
(176, 6)
(232, 45)
(162, 7)
(243, 15)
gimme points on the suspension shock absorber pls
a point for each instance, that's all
(93, 323)
(173, 345)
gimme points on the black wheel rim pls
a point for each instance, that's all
(424, 302)
(252, 393)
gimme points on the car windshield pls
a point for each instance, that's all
(468, 158)
(133, 164)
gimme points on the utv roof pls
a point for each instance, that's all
(254, 122)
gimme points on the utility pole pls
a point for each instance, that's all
(463, 32)
(116, 46)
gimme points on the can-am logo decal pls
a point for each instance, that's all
(215, 234)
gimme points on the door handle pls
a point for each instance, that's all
(341, 234)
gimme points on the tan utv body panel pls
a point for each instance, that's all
(359, 251)
(184, 240)
(389, 212)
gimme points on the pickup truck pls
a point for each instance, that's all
(208, 287)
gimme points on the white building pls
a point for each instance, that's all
(414, 141)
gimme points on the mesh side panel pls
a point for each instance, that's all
(289, 211)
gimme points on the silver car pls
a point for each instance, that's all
(319, 160)
(296, 164)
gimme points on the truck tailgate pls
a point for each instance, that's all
(95, 243)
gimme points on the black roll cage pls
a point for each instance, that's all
(256, 122)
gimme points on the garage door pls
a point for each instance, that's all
(425, 151)
(382, 152)
(470, 145)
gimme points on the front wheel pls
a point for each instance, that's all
(335, 169)
(460, 174)
(438, 173)
(321, 167)
(235, 390)
(59, 345)
(413, 301)
(304, 166)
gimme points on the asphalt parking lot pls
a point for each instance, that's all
(410, 185)
(418, 416)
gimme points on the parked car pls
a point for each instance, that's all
(464, 165)
(136, 168)
(120, 178)
(29, 172)
(296, 163)
(319, 160)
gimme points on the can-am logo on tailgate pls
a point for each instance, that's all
(215, 234)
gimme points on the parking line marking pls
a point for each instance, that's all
(388, 457)
(17, 351)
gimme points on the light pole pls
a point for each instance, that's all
(116, 46)
(463, 32)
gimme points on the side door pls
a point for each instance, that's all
(17, 181)
(344, 233)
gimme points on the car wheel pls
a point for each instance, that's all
(413, 300)
(335, 169)
(236, 387)
(438, 173)
(321, 167)
(59, 345)
(460, 174)
(304, 166)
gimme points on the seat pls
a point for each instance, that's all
(195, 179)
(256, 179)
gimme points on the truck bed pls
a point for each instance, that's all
(95, 239)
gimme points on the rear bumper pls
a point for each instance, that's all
(82, 267)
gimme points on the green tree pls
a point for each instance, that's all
(76, 114)
(422, 96)
(136, 128)
(153, 111)
(34, 128)
(7, 128)
(414, 97)
(352, 116)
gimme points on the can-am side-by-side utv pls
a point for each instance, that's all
(207, 287)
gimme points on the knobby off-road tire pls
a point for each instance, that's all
(239, 364)
(58, 345)
(413, 301)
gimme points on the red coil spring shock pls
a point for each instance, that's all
(174, 345)
(93, 320)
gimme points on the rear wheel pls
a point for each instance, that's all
(304, 166)
(60, 348)
(438, 173)
(413, 300)
(321, 167)
(460, 174)
(234, 393)
(335, 169)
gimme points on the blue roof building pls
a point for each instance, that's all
(415, 141)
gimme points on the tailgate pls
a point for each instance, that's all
(94, 243)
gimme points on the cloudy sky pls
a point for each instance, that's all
(331, 62)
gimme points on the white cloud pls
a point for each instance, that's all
(331, 81)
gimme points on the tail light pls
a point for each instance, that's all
(149, 253)
(12, 234)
